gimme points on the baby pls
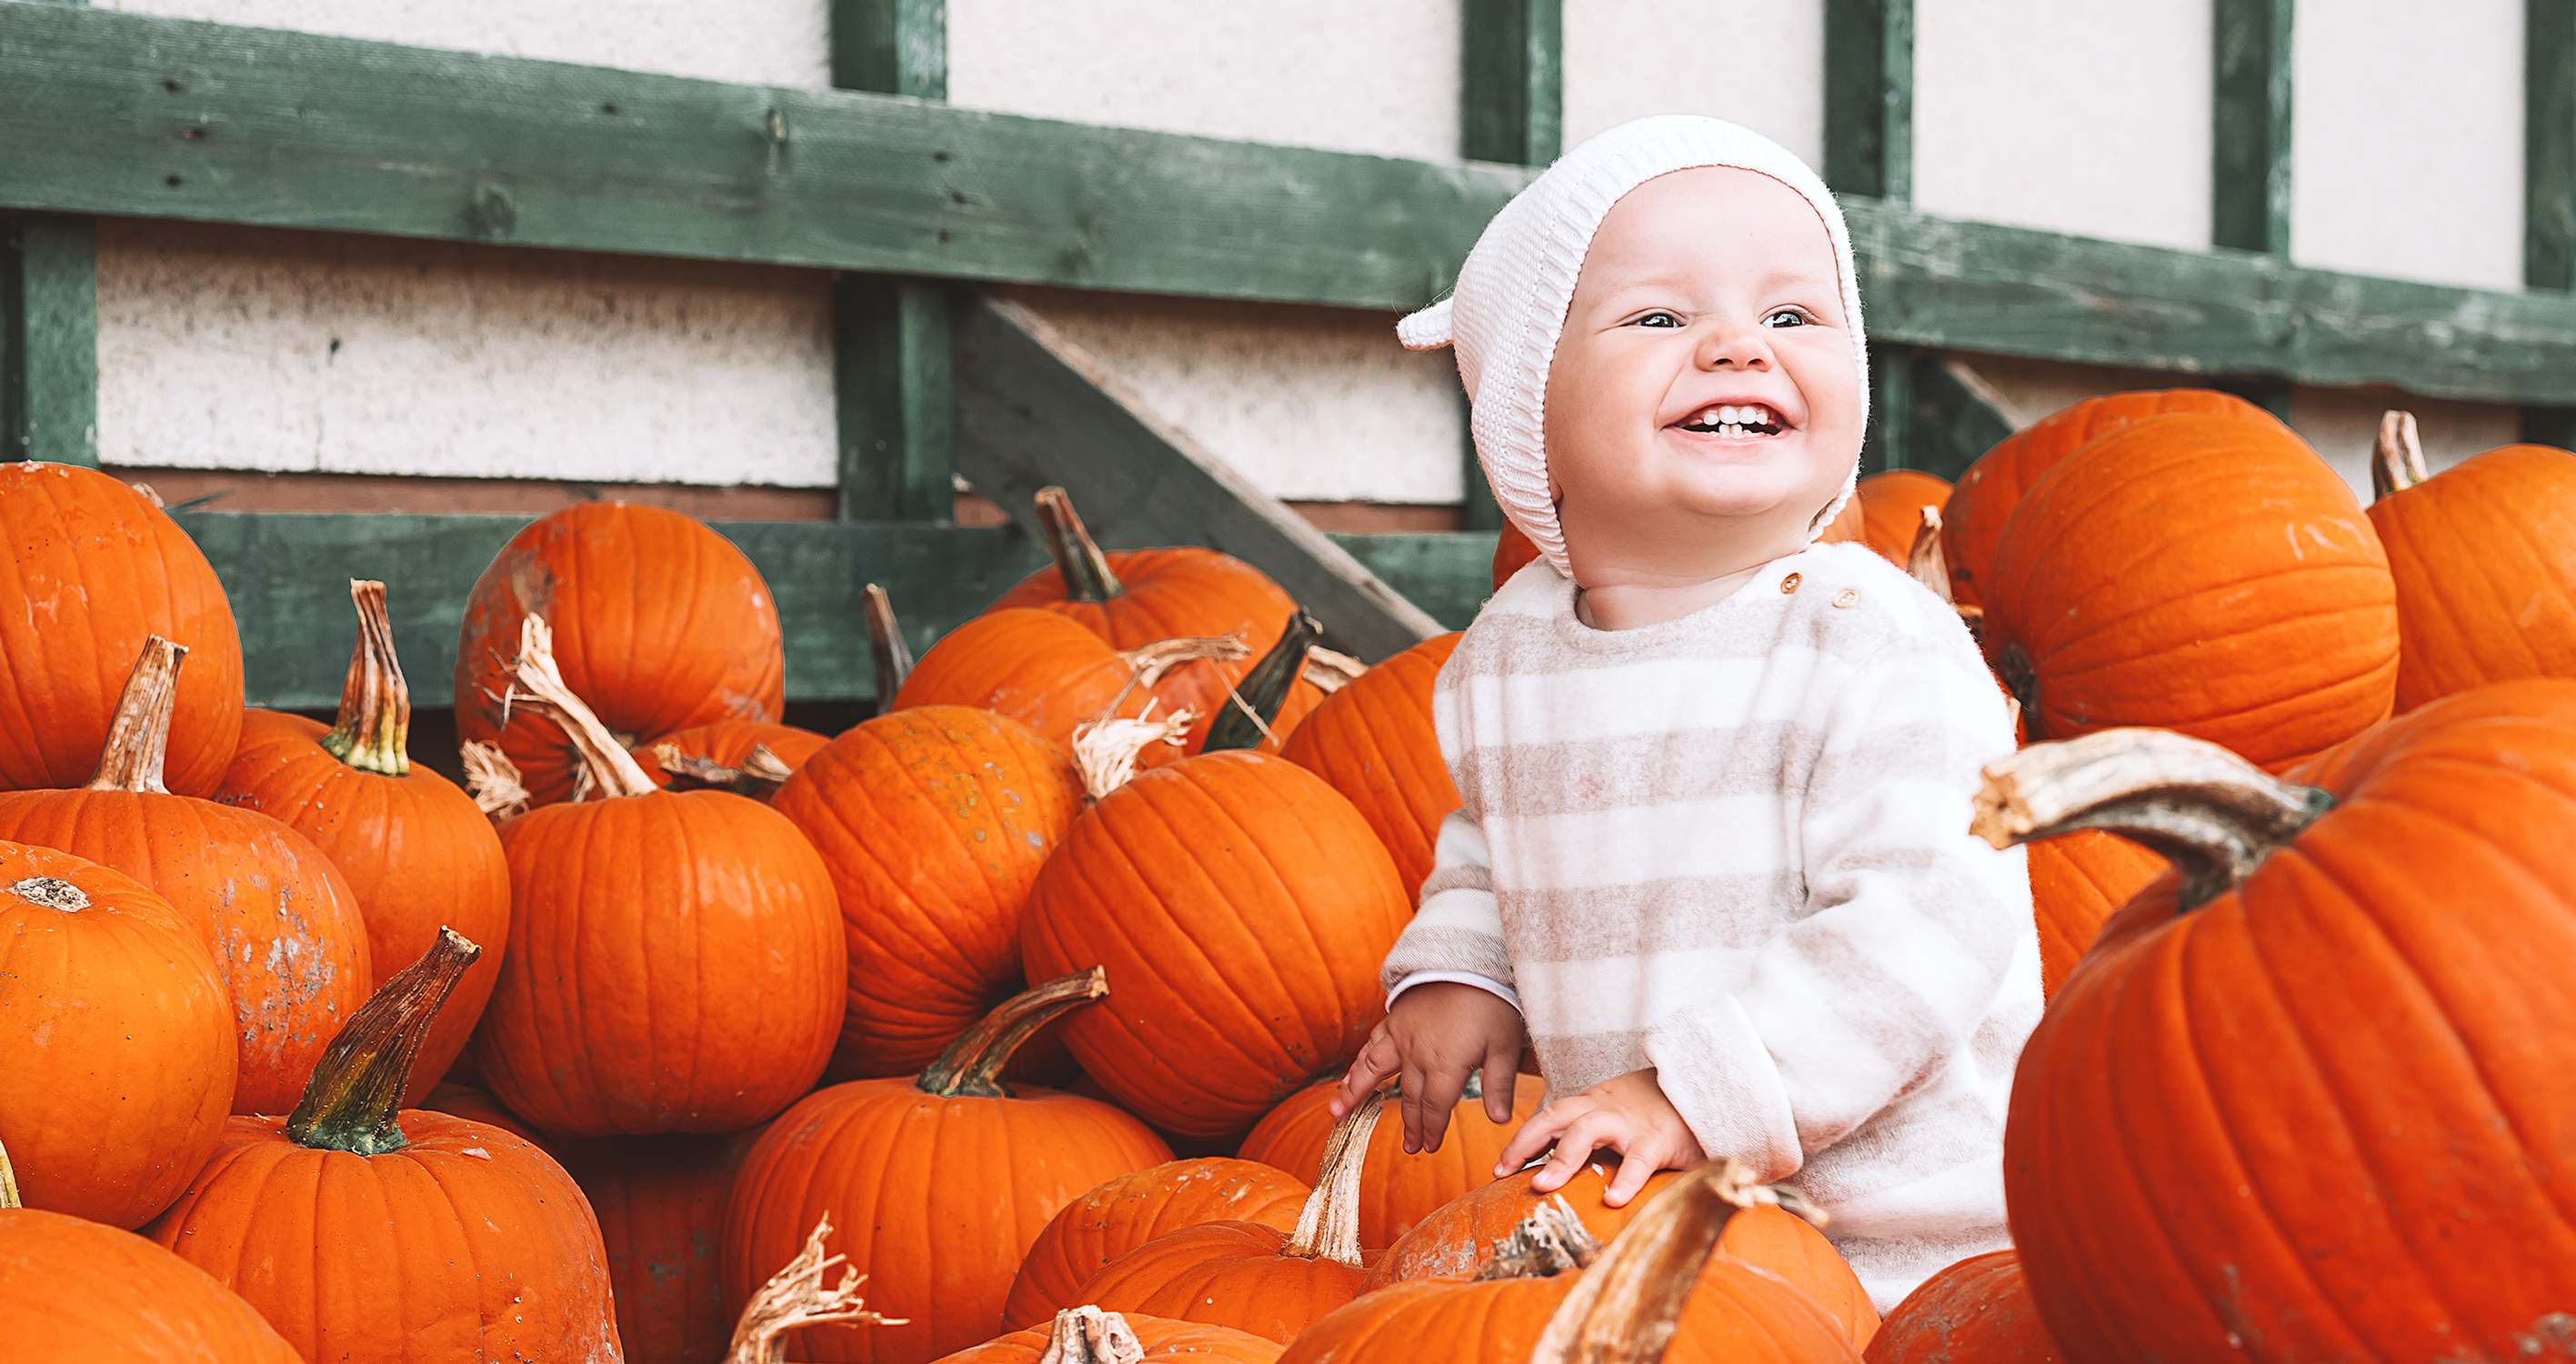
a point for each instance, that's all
(1714, 862)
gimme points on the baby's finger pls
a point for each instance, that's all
(1534, 1137)
(1501, 1074)
(1636, 1166)
(1440, 1090)
(1375, 1062)
(1411, 1106)
(1573, 1148)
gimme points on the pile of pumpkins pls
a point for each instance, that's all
(991, 1029)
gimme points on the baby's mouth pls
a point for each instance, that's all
(1733, 420)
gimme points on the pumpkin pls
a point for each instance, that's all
(1513, 551)
(1657, 1282)
(415, 852)
(1087, 1335)
(1891, 509)
(1396, 1190)
(281, 922)
(1373, 742)
(1128, 1211)
(661, 1208)
(366, 1232)
(2211, 1153)
(1986, 494)
(1458, 1240)
(660, 624)
(465, 1101)
(2484, 558)
(933, 822)
(94, 568)
(1244, 907)
(675, 960)
(1977, 1309)
(2203, 574)
(71, 1288)
(1850, 526)
(116, 1039)
(2076, 881)
(1048, 671)
(746, 757)
(944, 1181)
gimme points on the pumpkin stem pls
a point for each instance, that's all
(1087, 1335)
(538, 684)
(353, 1100)
(8, 1182)
(1084, 568)
(2397, 456)
(758, 778)
(892, 656)
(2020, 677)
(1148, 662)
(971, 1064)
(138, 737)
(374, 729)
(1329, 1225)
(1245, 720)
(2215, 815)
(1628, 1304)
(494, 781)
(1548, 1242)
(1329, 672)
(1105, 751)
(795, 1297)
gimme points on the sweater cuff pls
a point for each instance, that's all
(1712, 1065)
(1486, 983)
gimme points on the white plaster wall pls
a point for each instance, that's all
(1760, 63)
(2406, 139)
(2082, 116)
(238, 348)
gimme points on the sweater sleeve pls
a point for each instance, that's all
(1911, 925)
(1459, 928)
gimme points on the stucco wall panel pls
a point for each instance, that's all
(1760, 63)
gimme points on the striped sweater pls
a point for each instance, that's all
(1735, 847)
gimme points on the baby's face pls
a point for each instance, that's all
(1703, 402)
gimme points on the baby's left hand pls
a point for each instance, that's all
(1627, 1113)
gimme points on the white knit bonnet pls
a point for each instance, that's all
(1513, 292)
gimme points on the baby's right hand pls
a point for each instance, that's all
(1435, 1035)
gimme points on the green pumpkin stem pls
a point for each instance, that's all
(2215, 815)
(8, 1182)
(2396, 456)
(1328, 1227)
(893, 657)
(972, 1065)
(1084, 568)
(355, 1095)
(1244, 721)
(374, 729)
(138, 735)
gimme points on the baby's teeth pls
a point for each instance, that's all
(1730, 414)
(1729, 429)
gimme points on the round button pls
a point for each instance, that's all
(1789, 584)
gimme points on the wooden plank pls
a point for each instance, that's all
(2249, 190)
(899, 47)
(1514, 84)
(1869, 98)
(1034, 409)
(48, 339)
(2549, 179)
(1446, 573)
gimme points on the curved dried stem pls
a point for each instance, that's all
(1244, 722)
(8, 1182)
(355, 1095)
(373, 731)
(1084, 568)
(758, 778)
(973, 1063)
(795, 1297)
(886, 649)
(1328, 672)
(493, 780)
(2213, 814)
(1148, 662)
(138, 736)
(1105, 751)
(1087, 1335)
(1548, 1242)
(2396, 456)
(537, 684)
(1928, 563)
(1329, 1225)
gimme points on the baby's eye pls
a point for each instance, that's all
(1657, 319)
(1785, 317)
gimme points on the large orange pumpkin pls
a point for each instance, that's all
(661, 1207)
(365, 1232)
(1048, 671)
(1130, 1210)
(1973, 518)
(280, 920)
(675, 959)
(1891, 509)
(659, 623)
(1976, 1310)
(933, 822)
(1373, 741)
(1396, 1190)
(465, 1101)
(116, 1039)
(73, 1289)
(1158, 1340)
(2076, 881)
(2204, 574)
(2484, 557)
(2304, 1099)
(1244, 907)
(92, 568)
(415, 851)
(942, 1182)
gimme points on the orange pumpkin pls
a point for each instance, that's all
(411, 1235)
(1160, 1340)
(1850, 526)
(661, 1207)
(675, 959)
(660, 624)
(280, 920)
(1977, 1309)
(1891, 509)
(73, 1289)
(1513, 552)
(933, 822)
(2076, 881)
(116, 1039)
(943, 1182)
(1047, 671)
(1396, 1190)
(93, 567)
(2204, 574)
(2209, 1155)
(1973, 518)
(2484, 558)
(465, 1101)
(1373, 741)
(415, 851)
(723, 754)
(1130, 1210)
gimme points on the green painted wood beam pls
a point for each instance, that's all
(1869, 98)
(2549, 179)
(899, 47)
(1514, 85)
(48, 338)
(2249, 190)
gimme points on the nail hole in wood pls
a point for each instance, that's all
(172, 181)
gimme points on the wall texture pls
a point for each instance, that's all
(1760, 63)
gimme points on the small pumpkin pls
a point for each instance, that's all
(117, 1057)
(747, 757)
(1049, 672)
(1087, 1335)
(1128, 1211)
(2077, 881)
(1373, 741)
(915, 1165)
(416, 853)
(365, 1232)
(1513, 551)
(1396, 1190)
(1891, 509)
(1977, 1309)
(661, 1207)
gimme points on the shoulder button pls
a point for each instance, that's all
(1849, 596)
(1789, 584)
